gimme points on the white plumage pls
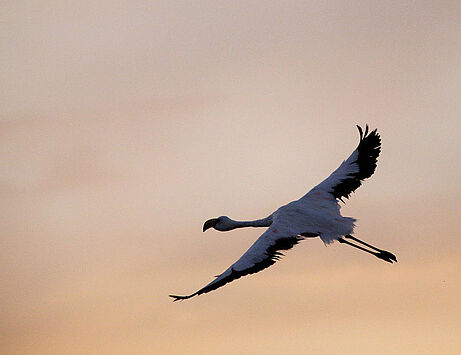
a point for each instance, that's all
(317, 213)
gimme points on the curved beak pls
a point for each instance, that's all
(210, 223)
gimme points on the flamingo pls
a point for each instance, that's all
(316, 214)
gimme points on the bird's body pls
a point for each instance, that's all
(317, 213)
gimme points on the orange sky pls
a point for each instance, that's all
(125, 125)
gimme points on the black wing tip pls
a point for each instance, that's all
(367, 132)
(181, 298)
(369, 148)
(360, 131)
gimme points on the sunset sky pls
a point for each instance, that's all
(124, 125)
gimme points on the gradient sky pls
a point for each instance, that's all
(124, 125)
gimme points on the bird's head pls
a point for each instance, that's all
(222, 224)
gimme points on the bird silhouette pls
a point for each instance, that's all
(316, 214)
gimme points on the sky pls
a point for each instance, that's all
(124, 125)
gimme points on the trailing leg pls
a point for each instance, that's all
(384, 253)
(379, 253)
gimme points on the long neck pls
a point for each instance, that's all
(264, 222)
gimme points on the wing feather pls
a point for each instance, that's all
(264, 252)
(360, 165)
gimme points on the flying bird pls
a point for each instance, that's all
(316, 214)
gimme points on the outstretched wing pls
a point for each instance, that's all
(360, 165)
(262, 254)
